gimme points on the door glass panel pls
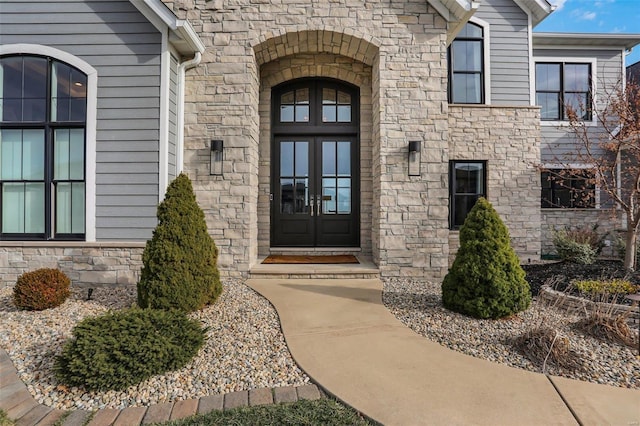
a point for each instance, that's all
(344, 200)
(328, 105)
(302, 159)
(286, 113)
(302, 196)
(286, 158)
(344, 107)
(302, 105)
(286, 196)
(344, 113)
(344, 158)
(328, 113)
(329, 196)
(328, 158)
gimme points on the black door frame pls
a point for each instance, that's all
(314, 130)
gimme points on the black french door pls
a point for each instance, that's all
(316, 192)
(315, 176)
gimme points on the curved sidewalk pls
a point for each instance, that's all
(341, 335)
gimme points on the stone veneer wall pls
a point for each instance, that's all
(404, 43)
(508, 138)
(86, 264)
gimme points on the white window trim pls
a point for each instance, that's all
(90, 126)
(594, 86)
(568, 166)
(163, 142)
(486, 49)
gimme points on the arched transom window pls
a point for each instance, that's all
(43, 112)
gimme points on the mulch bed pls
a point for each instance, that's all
(565, 272)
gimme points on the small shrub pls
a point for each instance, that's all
(179, 263)
(605, 287)
(606, 327)
(120, 349)
(485, 280)
(546, 346)
(41, 289)
(580, 245)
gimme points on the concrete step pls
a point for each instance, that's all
(363, 270)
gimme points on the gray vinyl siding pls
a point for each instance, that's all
(557, 143)
(117, 40)
(509, 51)
(173, 118)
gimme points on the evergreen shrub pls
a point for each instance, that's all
(580, 245)
(485, 280)
(123, 348)
(179, 263)
(41, 289)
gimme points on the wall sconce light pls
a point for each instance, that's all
(414, 158)
(217, 146)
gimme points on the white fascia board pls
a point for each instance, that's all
(537, 9)
(458, 25)
(182, 34)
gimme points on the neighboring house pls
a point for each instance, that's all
(295, 122)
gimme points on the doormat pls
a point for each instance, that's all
(281, 259)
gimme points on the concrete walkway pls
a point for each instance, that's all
(341, 335)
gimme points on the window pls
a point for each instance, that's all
(42, 148)
(562, 85)
(467, 183)
(572, 188)
(466, 67)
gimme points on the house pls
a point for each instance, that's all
(360, 127)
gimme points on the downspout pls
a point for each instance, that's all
(182, 69)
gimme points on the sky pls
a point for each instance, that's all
(595, 16)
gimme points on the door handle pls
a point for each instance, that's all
(318, 205)
(311, 197)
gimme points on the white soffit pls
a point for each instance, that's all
(181, 34)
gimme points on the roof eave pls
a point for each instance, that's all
(181, 34)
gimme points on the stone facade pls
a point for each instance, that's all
(394, 52)
(86, 264)
(508, 138)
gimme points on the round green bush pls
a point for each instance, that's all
(120, 349)
(179, 263)
(485, 280)
(41, 289)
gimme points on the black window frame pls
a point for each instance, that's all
(452, 72)
(562, 93)
(49, 126)
(553, 181)
(453, 193)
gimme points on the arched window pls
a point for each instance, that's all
(466, 66)
(43, 115)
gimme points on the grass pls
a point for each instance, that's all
(4, 420)
(304, 413)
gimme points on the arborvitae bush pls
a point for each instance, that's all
(120, 349)
(179, 263)
(486, 280)
(41, 289)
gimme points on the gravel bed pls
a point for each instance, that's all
(245, 349)
(419, 306)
